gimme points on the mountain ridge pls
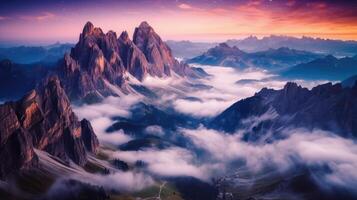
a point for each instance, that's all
(328, 107)
(273, 59)
(328, 67)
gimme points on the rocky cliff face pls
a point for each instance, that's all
(92, 65)
(99, 61)
(327, 107)
(42, 119)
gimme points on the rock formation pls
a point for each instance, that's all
(100, 61)
(42, 119)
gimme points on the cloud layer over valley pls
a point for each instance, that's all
(207, 154)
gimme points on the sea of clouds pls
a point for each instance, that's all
(211, 152)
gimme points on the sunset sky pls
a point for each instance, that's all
(41, 22)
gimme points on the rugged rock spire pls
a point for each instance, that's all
(87, 29)
(155, 50)
(42, 119)
(134, 60)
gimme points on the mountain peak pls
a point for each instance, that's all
(223, 45)
(144, 24)
(88, 28)
(124, 36)
(290, 85)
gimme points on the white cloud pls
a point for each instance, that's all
(130, 181)
(167, 162)
(155, 130)
(220, 149)
(314, 148)
(100, 115)
(225, 90)
(124, 181)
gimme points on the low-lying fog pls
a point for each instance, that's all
(213, 154)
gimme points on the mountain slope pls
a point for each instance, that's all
(349, 82)
(188, 49)
(327, 68)
(327, 107)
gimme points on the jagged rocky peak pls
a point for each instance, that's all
(124, 37)
(134, 59)
(88, 28)
(99, 61)
(157, 53)
(93, 66)
(43, 119)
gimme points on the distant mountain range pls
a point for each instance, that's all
(35, 54)
(339, 48)
(326, 68)
(273, 59)
(188, 49)
(316, 45)
(18, 79)
(289, 63)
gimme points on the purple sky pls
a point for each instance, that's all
(48, 21)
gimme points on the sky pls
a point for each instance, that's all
(49, 21)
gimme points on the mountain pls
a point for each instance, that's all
(18, 79)
(35, 54)
(42, 120)
(317, 45)
(144, 116)
(349, 82)
(327, 107)
(276, 59)
(187, 49)
(99, 63)
(327, 68)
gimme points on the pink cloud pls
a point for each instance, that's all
(2, 18)
(185, 6)
(40, 17)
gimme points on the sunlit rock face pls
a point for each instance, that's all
(134, 59)
(155, 50)
(92, 64)
(99, 61)
(43, 119)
